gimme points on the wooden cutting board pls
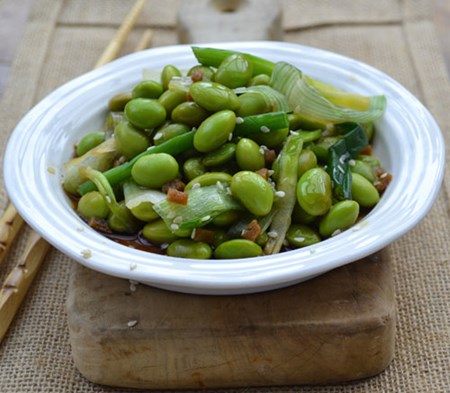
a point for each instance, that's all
(337, 327)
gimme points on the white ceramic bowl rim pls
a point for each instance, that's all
(414, 152)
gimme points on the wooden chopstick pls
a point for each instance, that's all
(19, 280)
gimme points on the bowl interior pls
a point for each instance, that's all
(408, 143)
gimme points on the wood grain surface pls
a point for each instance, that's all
(337, 327)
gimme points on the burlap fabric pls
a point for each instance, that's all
(64, 38)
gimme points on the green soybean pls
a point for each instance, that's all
(271, 139)
(253, 191)
(214, 131)
(220, 156)
(201, 73)
(306, 161)
(341, 216)
(363, 191)
(320, 148)
(147, 89)
(93, 204)
(193, 167)
(158, 232)
(89, 141)
(170, 99)
(314, 191)
(168, 72)
(213, 96)
(144, 212)
(145, 113)
(155, 170)
(227, 218)
(238, 248)
(121, 220)
(301, 236)
(234, 71)
(209, 179)
(129, 140)
(260, 79)
(249, 155)
(118, 102)
(251, 103)
(364, 169)
(169, 131)
(186, 248)
(189, 113)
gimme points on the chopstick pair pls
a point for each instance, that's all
(18, 281)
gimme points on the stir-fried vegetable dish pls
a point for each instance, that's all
(239, 157)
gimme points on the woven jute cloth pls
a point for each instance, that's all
(63, 39)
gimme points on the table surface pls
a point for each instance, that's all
(13, 16)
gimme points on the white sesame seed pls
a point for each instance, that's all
(86, 254)
(336, 232)
(299, 239)
(196, 185)
(270, 172)
(230, 137)
(351, 162)
(340, 169)
(219, 185)
(193, 233)
(157, 136)
(108, 199)
(174, 227)
(293, 132)
(239, 120)
(205, 218)
(342, 160)
(265, 129)
(383, 175)
(164, 246)
(132, 288)
(177, 220)
(132, 323)
(280, 194)
(272, 234)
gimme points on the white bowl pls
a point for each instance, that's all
(408, 142)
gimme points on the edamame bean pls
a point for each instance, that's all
(320, 148)
(213, 96)
(314, 191)
(89, 141)
(273, 138)
(341, 216)
(168, 72)
(234, 71)
(210, 179)
(238, 248)
(371, 160)
(121, 220)
(306, 160)
(260, 79)
(301, 236)
(363, 191)
(214, 131)
(93, 204)
(155, 170)
(201, 73)
(169, 131)
(145, 113)
(189, 113)
(253, 191)
(220, 156)
(364, 169)
(187, 248)
(170, 99)
(248, 155)
(227, 218)
(158, 232)
(118, 102)
(129, 140)
(144, 212)
(251, 104)
(193, 167)
(147, 89)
